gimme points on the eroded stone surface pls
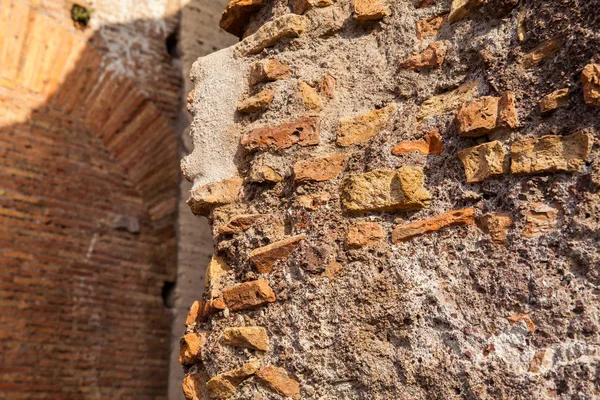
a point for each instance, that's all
(590, 77)
(550, 154)
(364, 234)
(386, 190)
(370, 10)
(320, 168)
(268, 35)
(252, 337)
(540, 219)
(278, 380)
(268, 70)
(484, 161)
(429, 26)
(248, 295)
(449, 101)
(462, 8)
(496, 225)
(310, 96)
(553, 100)
(432, 56)
(236, 15)
(363, 127)
(205, 198)
(224, 385)
(486, 114)
(240, 223)
(402, 233)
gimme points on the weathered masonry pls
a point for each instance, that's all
(404, 201)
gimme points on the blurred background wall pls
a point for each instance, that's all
(97, 267)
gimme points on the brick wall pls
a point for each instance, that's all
(88, 203)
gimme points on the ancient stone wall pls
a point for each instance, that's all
(404, 201)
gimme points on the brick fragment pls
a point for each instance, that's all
(550, 154)
(429, 27)
(552, 101)
(257, 103)
(264, 173)
(540, 219)
(431, 146)
(264, 258)
(522, 317)
(201, 309)
(236, 15)
(332, 269)
(542, 361)
(303, 132)
(224, 385)
(465, 216)
(252, 337)
(194, 314)
(278, 380)
(542, 52)
(194, 386)
(301, 6)
(364, 234)
(314, 201)
(363, 127)
(590, 77)
(216, 269)
(190, 348)
(239, 223)
(370, 10)
(386, 190)
(268, 35)
(248, 295)
(484, 161)
(484, 115)
(432, 56)
(205, 198)
(496, 225)
(310, 96)
(462, 8)
(328, 86)
(320, 168)
(268, 71)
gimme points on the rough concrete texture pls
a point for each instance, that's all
(454, 313)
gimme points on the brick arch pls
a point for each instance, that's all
(53, 64)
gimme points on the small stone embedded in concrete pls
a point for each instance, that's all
(590, 77)
(551, 154)
(462, 8)
(320, 168)
(328, 86)
(542, 52)
(190, 348)
(553, 100)
(224, 385)
(432, 56)
(194, 386)
(252, 337)
(364, 234)
(486, 114)
(484, 161)
(301, 6)
(443, 103)
(204, 198)
(264, 173)
(309, 96)
(201, 309)
(370, 10)
(522, 317)
(303, 132)
(236, 15)
(496, 225)
(539, 220)
(542, 361)
(363, 127)
(239, 223)
(268, 71)
(431, 146)
(194, 314)
(429, 27)
(465, 216)
(190, 100)
(332, 269)
(381, 190)
(268, 35)
(248, 295)
(257, 103)
(278, 380)
(313, 201)
(216, 269)
(264, 258)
